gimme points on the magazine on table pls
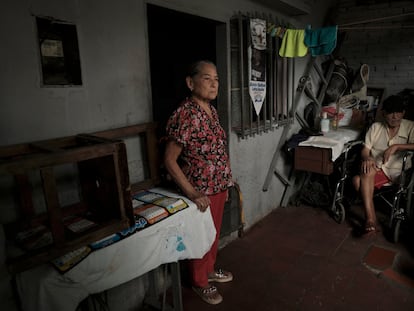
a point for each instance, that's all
(152, 213)
(171, 204)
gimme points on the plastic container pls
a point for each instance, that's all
(324, 123)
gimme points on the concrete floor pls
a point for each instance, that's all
(299, 258)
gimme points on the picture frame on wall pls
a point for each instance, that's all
(59, 52)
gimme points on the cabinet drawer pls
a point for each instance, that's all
(313, 159)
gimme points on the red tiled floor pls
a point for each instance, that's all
(379, 257)
(299, 258)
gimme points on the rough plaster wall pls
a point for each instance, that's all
(388, 52)
(113, 60)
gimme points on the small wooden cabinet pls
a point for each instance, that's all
(314, 159)
(41, 171)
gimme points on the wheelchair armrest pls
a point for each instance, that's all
(349, 145)
(352, 143)
(404, 171)
(407, 154)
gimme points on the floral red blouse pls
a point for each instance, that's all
(204, 153)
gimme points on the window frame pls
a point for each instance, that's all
(277, 106)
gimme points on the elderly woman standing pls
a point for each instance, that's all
(196, 139)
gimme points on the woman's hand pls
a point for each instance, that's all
(172, 151)
(201, 200)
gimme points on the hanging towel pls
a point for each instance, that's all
(292, 43)
(321, 41)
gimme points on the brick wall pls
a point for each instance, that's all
(388, 47)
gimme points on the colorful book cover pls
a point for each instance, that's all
(147, 196)
(171, 204)
(152, 213)
(111, 239)
(140, 223)
(69, 260)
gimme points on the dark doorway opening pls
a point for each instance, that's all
(176, 40)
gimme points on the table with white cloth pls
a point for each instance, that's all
(319, 157)
(317, 154)
(186, 234)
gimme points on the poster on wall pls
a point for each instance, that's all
(257, 63)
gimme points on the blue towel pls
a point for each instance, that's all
(321, 41)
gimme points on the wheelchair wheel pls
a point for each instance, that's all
(339, 212)
(396, 226)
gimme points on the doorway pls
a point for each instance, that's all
(176, 40)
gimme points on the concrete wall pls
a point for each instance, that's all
(113, 45)
(115, 91)
(385, 45)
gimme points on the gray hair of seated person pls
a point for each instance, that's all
(195, 67)
(393, 103)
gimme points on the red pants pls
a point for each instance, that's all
(200, 268)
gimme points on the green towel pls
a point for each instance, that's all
(293, 43)
(321, 41)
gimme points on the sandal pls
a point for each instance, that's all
(371, 227)
(220, 276)
(209, 294)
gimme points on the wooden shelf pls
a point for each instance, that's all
(151, 159)
(40, 172)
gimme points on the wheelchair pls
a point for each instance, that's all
(345, 167)
(396, 196)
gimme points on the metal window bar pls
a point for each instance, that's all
(249, 42)
(241, 62)
(279, 75)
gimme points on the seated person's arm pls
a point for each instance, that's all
(395, 148)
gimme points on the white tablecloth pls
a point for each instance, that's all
(334, 139)
(187, 234)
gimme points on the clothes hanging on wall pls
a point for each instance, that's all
(297, 42)
(321, 41)
(293, 44)
(276, 31)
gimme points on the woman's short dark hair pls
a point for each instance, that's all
(393, 103)
(194, 68)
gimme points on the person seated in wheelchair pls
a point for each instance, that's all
(381, 156)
